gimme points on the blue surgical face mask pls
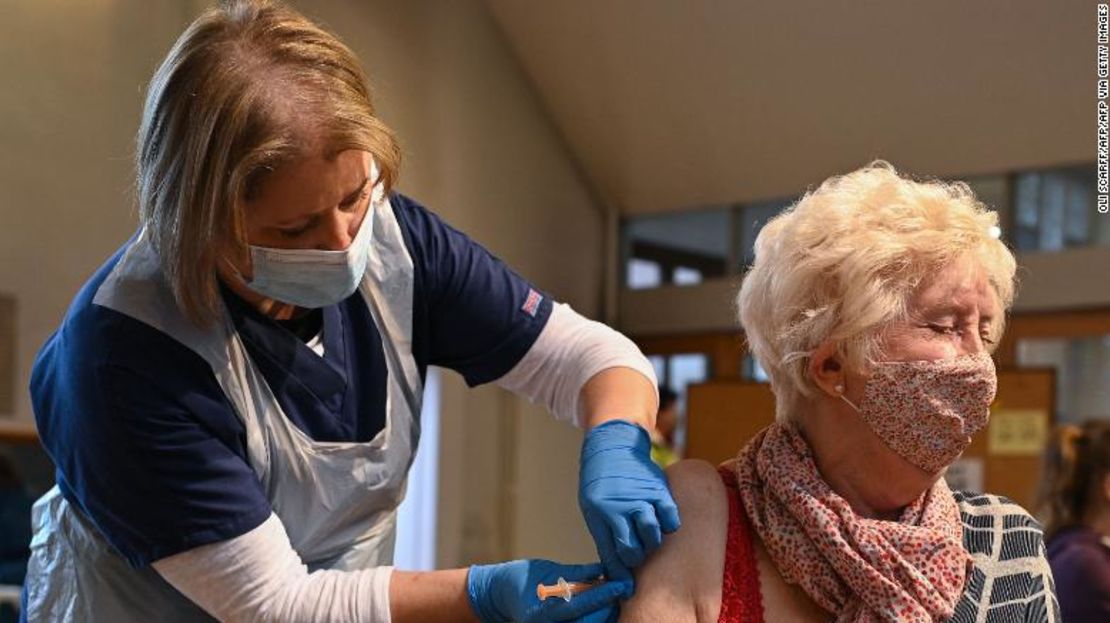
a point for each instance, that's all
(310, 277)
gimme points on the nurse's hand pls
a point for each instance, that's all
(507, 592)
(624, 496)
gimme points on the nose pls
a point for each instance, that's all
(973, 344)
(340, 231)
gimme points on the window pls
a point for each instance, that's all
(1054, 209)
(643, 274)
(1082, 373)
(679, 249)
(689, 247)
(750, 219)
(683, 276)
(659, 362)
(752, 371)
(994, 192)
(1043, 210)
(678, 372)
(684, 370)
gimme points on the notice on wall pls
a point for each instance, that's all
(1017, 432)
(965, 475)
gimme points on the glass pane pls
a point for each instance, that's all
(752, 371)
(695, 242)
(683, 370)
(750, 220)
(1053, 192)
(643, 274)
(1027, 211)
(1082, 373)
(1079, 207)
(1099, 223)
(993, 191)
(1100, 233)
(1055, 209)
(659, 362)
(684, 276)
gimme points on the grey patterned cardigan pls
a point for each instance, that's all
(1011, 579)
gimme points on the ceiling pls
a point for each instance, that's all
(674, 104)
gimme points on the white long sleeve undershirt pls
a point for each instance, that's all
(569, 351)
(258, 576)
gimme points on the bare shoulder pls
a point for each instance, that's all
(681, 581)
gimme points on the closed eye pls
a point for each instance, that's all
(955, 331)
(298, 231)
(346, 206)
(357, 199)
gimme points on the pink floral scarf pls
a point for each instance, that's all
(861, 569)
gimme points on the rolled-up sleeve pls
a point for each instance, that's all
(569, 352)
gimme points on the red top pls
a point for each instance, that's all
(740, 597)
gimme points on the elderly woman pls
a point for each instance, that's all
(874, 304)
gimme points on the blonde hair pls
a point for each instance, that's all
(842, 262)
(1076, 461)
(248, 86)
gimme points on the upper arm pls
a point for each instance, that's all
(1006, 544)
(569, 353)
(681, 581)
(480, 317)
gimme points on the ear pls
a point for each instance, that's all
(827, 370)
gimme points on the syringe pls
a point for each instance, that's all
(565, 589)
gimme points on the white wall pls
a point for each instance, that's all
(73, 75)
(478, 149)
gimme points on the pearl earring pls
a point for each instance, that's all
(839, 389)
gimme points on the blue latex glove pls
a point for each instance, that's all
(624, 496)
(507, 592)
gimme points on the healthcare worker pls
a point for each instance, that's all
(232, 399)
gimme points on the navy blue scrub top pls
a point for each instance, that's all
(147, 445)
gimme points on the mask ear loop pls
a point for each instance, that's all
(235, 271)
(840, 391)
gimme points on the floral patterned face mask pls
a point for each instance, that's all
(927, 411)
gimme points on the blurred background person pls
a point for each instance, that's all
(663, 450)
(1075, 508)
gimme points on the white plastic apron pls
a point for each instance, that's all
(337, 501)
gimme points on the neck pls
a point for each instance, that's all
(270, 307)
(1098, 519)
(839, 473)
(849, 466)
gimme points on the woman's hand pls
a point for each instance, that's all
(507, 592)
(624, 496)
